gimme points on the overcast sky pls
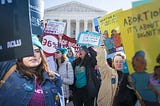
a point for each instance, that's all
(108, 5)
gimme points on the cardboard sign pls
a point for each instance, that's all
(50, 43)
(54, 27)
(89, 39)
(37, 13)
(96, 25)
(15, 31)
(141, 31)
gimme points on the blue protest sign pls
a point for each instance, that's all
(89, 39)
(37, 12)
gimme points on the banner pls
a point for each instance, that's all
(54, 27)
(141, 31)
(15, 30)
(89, 38)
(37, 14)
(69, 42)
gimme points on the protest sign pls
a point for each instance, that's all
(109, 27)
(69, 42)
(109, 22)
(54, 27)
(37, 13)
(89, 39)
(50, 43)
(96, 24)
(138, 3)
(15, 30)
(140, 30)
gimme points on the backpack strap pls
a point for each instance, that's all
(11, 70)
(67, 68)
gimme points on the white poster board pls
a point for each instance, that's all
(54, 27)
(89, 39)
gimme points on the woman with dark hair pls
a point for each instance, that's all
(30, 83)
(86, 86)
(64, 68)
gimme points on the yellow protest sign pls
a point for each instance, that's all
(109, 22)
(140, 27)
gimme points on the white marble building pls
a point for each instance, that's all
(78, 16)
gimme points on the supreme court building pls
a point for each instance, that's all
(78, 17)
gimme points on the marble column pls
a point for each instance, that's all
(68, 28)
(85, 25)
(93, 28)
(77, 28)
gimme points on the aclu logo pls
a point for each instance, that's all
(14, 43)
(4, 1)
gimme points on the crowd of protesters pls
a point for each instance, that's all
(87, 80)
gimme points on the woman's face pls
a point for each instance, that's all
(118, 62)
(58, 54)
(33, 61)
(82, 54)
(70, 54)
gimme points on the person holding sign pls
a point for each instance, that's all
(28, 81)
(86, 84)
(115, 89)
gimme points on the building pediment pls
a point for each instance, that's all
(73, 6)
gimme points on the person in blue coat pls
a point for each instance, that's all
(31, 83)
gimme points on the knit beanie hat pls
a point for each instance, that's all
(36, 41)
(62, 50)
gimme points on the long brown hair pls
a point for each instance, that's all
(31, 72)
(63, 58)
